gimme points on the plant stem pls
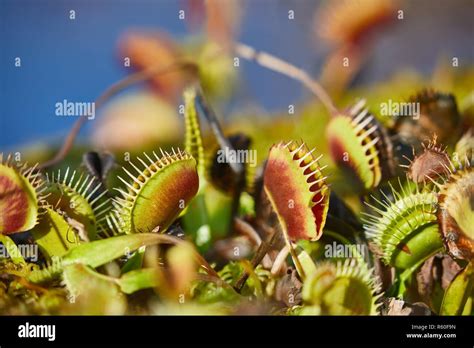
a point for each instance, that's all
(279, 260)
(279, 65)
(258, 257)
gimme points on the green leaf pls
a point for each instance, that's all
(134, 262)
(306, 262)
(92, 293)
(76, 274)
(53, 235)
(12, 249)
(100, 252)
(138, 279)
(193, 139)
(458, 291)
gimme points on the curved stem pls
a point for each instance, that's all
(294, 256)
(279, 65)
(258, 257)
(296, 261)
(246, 229)
(279, 260)
(112, 91)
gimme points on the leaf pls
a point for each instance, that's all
(157, 195)
(193, 138)
(297, 191)
(138, 279)
(21, 196)
(92, 293)
(12, 249)
(342, 288)
(134, 262)
(306, 262)
(100, 252)
(53, 235)
(457, 293)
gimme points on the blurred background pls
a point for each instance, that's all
(77, 59)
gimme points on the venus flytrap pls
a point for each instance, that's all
(297, 189)
(193, 142)
(404, 228)
(354, 139)
(432, 164)
(358, 143)
(74, 215)
(222, 179)
(21, 196)
(157, 194)
(197, 217)
(344, 288)
(456, 211)
(438, 114)
(298, 193)
(234, 171)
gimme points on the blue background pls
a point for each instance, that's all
(77, 59)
